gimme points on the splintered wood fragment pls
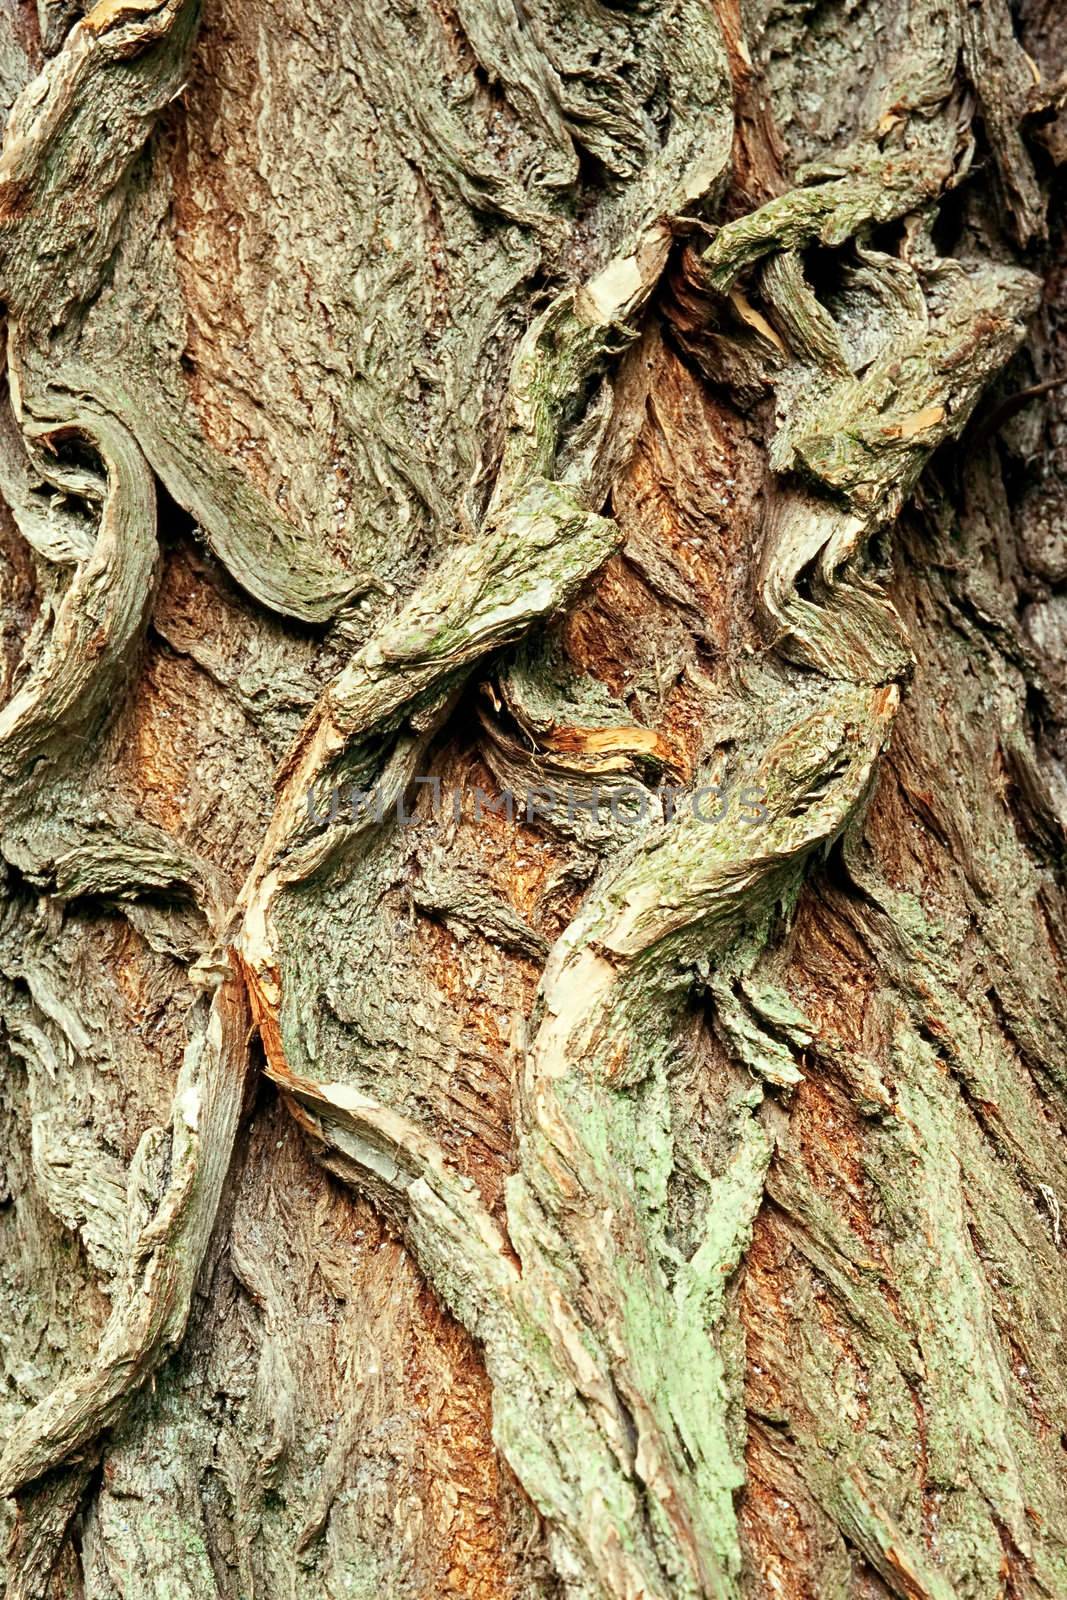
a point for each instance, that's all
(608, 741)
(918, 422)
(755, 319)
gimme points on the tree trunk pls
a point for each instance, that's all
(533, 790)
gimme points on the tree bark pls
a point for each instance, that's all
(533, 566)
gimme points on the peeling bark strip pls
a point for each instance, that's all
(513, 401)
(173, 1193)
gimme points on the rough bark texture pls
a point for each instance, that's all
(638, 1201)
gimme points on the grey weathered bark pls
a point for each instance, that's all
(654, 402)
